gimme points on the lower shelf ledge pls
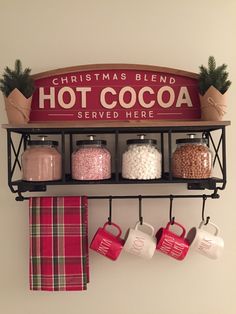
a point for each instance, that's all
(193, 184)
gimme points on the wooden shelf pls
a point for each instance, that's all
(118, 124)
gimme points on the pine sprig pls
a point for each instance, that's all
(17, 78)
(216, 76)
(211, 64)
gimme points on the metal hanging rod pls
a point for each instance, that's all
(214, 195)
(152, 196)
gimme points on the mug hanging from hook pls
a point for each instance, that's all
(171, 218)
(140, 210)
(110, 210)
(204, 198)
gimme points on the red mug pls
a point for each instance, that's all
(106, 243)
(172, 244)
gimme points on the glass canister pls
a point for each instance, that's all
(192, 158)
(91, 160)
(141, 160)
(41, 161)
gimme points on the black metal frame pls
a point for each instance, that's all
(20, 186)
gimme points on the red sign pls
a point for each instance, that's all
(115, 92)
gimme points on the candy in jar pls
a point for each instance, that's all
(142, 160)
(41, 161)
(192, 158)
(91, 160)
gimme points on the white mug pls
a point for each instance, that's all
(140, 243)
(206, 243)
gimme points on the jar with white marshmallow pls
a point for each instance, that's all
(142, 160)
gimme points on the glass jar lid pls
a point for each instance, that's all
(141, 140)
(91, 141)
(41, 142)
(192, 139)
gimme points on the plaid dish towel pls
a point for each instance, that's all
(58, 243)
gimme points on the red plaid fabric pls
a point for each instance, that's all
(58, 243)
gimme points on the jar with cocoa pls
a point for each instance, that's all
(41, 161)
(192, 158)
(91, 160)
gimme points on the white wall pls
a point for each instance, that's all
(180, 34)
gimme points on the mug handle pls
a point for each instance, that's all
(217, 230)
(114, 225)
(146, 224)
(179, 225)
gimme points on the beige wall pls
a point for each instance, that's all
(181, 34)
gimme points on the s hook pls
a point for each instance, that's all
(140, 209)
(204, 198)
(171, 218)
(110, 210)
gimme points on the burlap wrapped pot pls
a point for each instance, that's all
(213, 105)
(17, 107)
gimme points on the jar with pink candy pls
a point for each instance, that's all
(41, 161)
(91, 160)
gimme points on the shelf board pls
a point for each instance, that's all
(118, 124)
(31, 185)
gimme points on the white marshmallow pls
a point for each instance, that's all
(142, 162)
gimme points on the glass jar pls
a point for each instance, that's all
(41, 161)
(192, 158)
(91, 160)
(141, 160)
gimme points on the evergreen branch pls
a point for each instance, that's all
(18, 67)
(17, 78)
(211, 64)
(216, 76)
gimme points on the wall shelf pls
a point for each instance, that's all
(122, 126)
(165, 130)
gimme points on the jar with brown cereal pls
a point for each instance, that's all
(192, 158)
